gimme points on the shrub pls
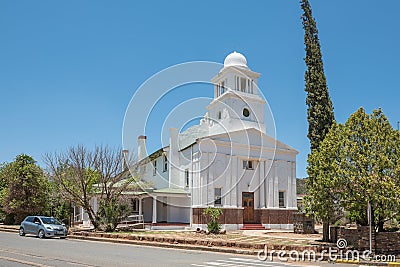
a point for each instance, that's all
(213, 225)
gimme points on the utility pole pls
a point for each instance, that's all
(369, 210)
(398, 124)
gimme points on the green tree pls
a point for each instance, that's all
(60, 207)
(320, 109)
(356, 164)
(3, 186)
(370, 171)
(26, 190)
(323, 199)
(112, 212)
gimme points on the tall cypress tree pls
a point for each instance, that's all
(320, 109)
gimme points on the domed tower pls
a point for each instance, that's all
(237, 104)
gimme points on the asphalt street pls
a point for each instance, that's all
(32, 251)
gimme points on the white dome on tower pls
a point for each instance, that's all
(235, 59)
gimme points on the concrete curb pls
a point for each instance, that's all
(165, 245)
(9, 230)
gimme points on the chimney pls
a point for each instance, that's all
(174, 171)
(141, 147)
(125, 159)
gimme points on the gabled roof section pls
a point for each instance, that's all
(156, 154)
(250, 132)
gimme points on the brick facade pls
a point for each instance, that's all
(277, 216)
(229, 216)
(235, 216)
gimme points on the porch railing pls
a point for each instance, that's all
(134, 220)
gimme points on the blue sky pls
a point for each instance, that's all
(68, 69)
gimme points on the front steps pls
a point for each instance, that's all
(253, 226)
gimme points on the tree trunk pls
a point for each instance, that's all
(325, 231)
(380, 224)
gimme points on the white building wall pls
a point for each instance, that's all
(222, 168)
(158, 181)
(178, 210)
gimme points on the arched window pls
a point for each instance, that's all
(246, 112)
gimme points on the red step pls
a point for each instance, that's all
(253, 226)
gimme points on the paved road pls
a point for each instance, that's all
(32, 251)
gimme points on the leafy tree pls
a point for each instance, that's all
(371, 169)
(26, 188)
(356, 164)
(60, 207)
(323, 199)
(213, 225)
(301, 186)
(3, 186)
(62, 211)
(320, 109)
(111, 213)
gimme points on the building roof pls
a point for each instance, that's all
(171, 191)
(235, 59)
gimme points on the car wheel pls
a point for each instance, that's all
(21, 231)
(41, 234)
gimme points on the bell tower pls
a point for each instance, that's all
(237, 103)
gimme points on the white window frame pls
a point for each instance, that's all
(248, 164)
(135, 204)
(283, 199)
(165, 163)
(187, 176)
(154, 167)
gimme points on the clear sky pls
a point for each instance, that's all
(68, 69)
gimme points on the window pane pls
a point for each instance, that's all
(243, 84)
(187, 177)
(282, 199)
(217, 194)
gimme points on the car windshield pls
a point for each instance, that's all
(49, 220)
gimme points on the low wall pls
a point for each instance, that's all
(302, 224)
(382, 242)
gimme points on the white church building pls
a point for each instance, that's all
(226, 161)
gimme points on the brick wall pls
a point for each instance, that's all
(382, 243)
(302, 224)
(278, 216)
(235, 216)
(229, 216)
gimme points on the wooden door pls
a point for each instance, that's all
(248, 207)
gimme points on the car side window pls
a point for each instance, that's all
(29, 219)
(36, 220)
